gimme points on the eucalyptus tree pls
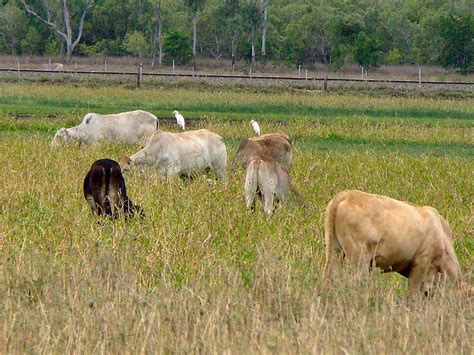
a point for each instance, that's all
(231, 15)
(251, 13)
(265, 5)
(194, 6)
(62, 24)
(157, 35)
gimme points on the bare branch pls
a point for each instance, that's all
(47, 22)
(46, 8)
(81, 24)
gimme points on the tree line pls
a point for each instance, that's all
(292, 32)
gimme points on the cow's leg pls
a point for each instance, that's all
(357, 253)
(250, 195)
(250, 200)
(92, 204)
(433, 280)
(251, 185)
(169, 170)
(268, 197)
(418, 276)
(221, 174)
(220, 166)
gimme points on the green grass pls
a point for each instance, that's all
(45, 100)
(202, 274)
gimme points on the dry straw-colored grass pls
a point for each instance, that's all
(202, 274)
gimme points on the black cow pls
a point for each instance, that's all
(105, 191)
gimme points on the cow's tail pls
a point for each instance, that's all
(251, 183)
(332, 244)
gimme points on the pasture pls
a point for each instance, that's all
(202, 274)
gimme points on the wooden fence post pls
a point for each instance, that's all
(139, 75)
(173, 66)
(325, 86)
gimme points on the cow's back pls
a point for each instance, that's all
(275, 146)
(104, 187)
(191, 151)
(128, 127)
(391, 229)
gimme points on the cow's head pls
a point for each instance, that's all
(61, 137)
(125, 163)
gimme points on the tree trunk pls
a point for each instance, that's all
(264, 29)
(69, 51)
(253, 45)
(67, 23)
(160, 42)
(233, 45)
(194, 40)
(62, 47)
(157, 36)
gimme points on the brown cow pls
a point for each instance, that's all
(276, 146)
(268, 180)
(105, 191)
(373, 230)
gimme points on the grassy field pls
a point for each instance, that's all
(202, 274)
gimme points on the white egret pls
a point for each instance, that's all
(179, 119)
(255, 127)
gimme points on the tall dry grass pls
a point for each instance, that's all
(202, 274)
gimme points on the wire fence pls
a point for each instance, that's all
(139, 74)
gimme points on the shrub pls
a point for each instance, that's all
(136, 44)
(177, 47)
(394, 56)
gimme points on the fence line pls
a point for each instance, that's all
(236, 76)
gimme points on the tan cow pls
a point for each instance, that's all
(276, 146)
(267, 179)
(372, 230)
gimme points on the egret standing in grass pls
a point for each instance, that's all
(179, 119)
(255, 127)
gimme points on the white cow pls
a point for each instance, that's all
(53, 66)
(127, 127)
(186, 153)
